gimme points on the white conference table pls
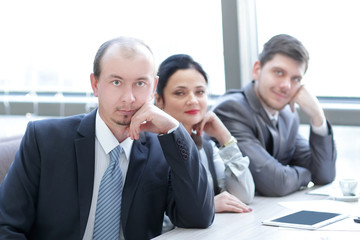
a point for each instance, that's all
(248, 225)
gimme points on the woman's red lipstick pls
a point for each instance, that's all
(193, 111)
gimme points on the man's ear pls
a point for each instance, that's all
(94, 84)
(256, 70)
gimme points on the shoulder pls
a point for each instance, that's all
(229, 99)
(59, 124)
(61, 128)
(233, 106)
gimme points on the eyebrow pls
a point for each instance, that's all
(120, 78)
(200, 86)
(181, 87)
(115, 76)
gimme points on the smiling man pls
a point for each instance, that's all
(262, 117)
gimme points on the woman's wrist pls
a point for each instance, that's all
(223, 138)
(230, 141)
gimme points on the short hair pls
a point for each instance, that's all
(286, 45)
(129, 44)
(173, 63)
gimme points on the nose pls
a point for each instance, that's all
(192, 99)
(285, 84)
(128, 95)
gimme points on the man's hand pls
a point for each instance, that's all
(309, 104)
(213, 126)
(225, 202)
(150, 118)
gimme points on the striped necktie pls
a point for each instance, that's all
(108, 209)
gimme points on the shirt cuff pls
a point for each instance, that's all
(321, 130)
(174, 128)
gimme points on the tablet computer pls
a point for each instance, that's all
(305, 219)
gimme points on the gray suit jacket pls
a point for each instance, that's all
(281, 161)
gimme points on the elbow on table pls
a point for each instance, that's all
(275, 188)
(249, 199)
(206, 222)
(279, 192)
(323, 179)
(203, 220)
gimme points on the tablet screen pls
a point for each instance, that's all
(305, 219)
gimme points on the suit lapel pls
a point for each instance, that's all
(264, 118)
(137, 164)
(85, 155)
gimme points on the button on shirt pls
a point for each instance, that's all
(105, 141)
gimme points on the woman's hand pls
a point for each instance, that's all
(213, 126)
(225, 202)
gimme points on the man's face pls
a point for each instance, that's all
(124, 85)
(277, 82)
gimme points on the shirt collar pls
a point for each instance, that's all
(274, 116)
(107, 139)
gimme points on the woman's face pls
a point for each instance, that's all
(185, 97)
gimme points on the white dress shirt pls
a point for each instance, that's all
(232, 171)
(320, 130)
(105, 141)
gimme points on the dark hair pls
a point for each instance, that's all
(173, 63)
(128, 43)
(286, 45)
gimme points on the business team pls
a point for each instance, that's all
(53, 188)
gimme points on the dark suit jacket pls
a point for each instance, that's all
(281, 161)
(48, 190)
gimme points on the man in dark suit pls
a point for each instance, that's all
(262, 118)
(51, 190)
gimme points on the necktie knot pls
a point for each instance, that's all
(115, 156)
(274, 122)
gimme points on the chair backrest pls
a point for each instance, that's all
(8, 148)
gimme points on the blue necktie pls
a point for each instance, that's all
(108, 209)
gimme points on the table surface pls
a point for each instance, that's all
(248, 225)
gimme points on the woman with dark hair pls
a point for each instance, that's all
(181, 92)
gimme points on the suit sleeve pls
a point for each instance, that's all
(319, 154)
(191, 198)
(18, 191)
(271, 177)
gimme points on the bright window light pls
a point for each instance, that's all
(328, 29)
(50, 45)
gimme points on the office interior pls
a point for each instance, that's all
(240, 48)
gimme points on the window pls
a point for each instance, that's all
(328, 29)
(49, 46)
